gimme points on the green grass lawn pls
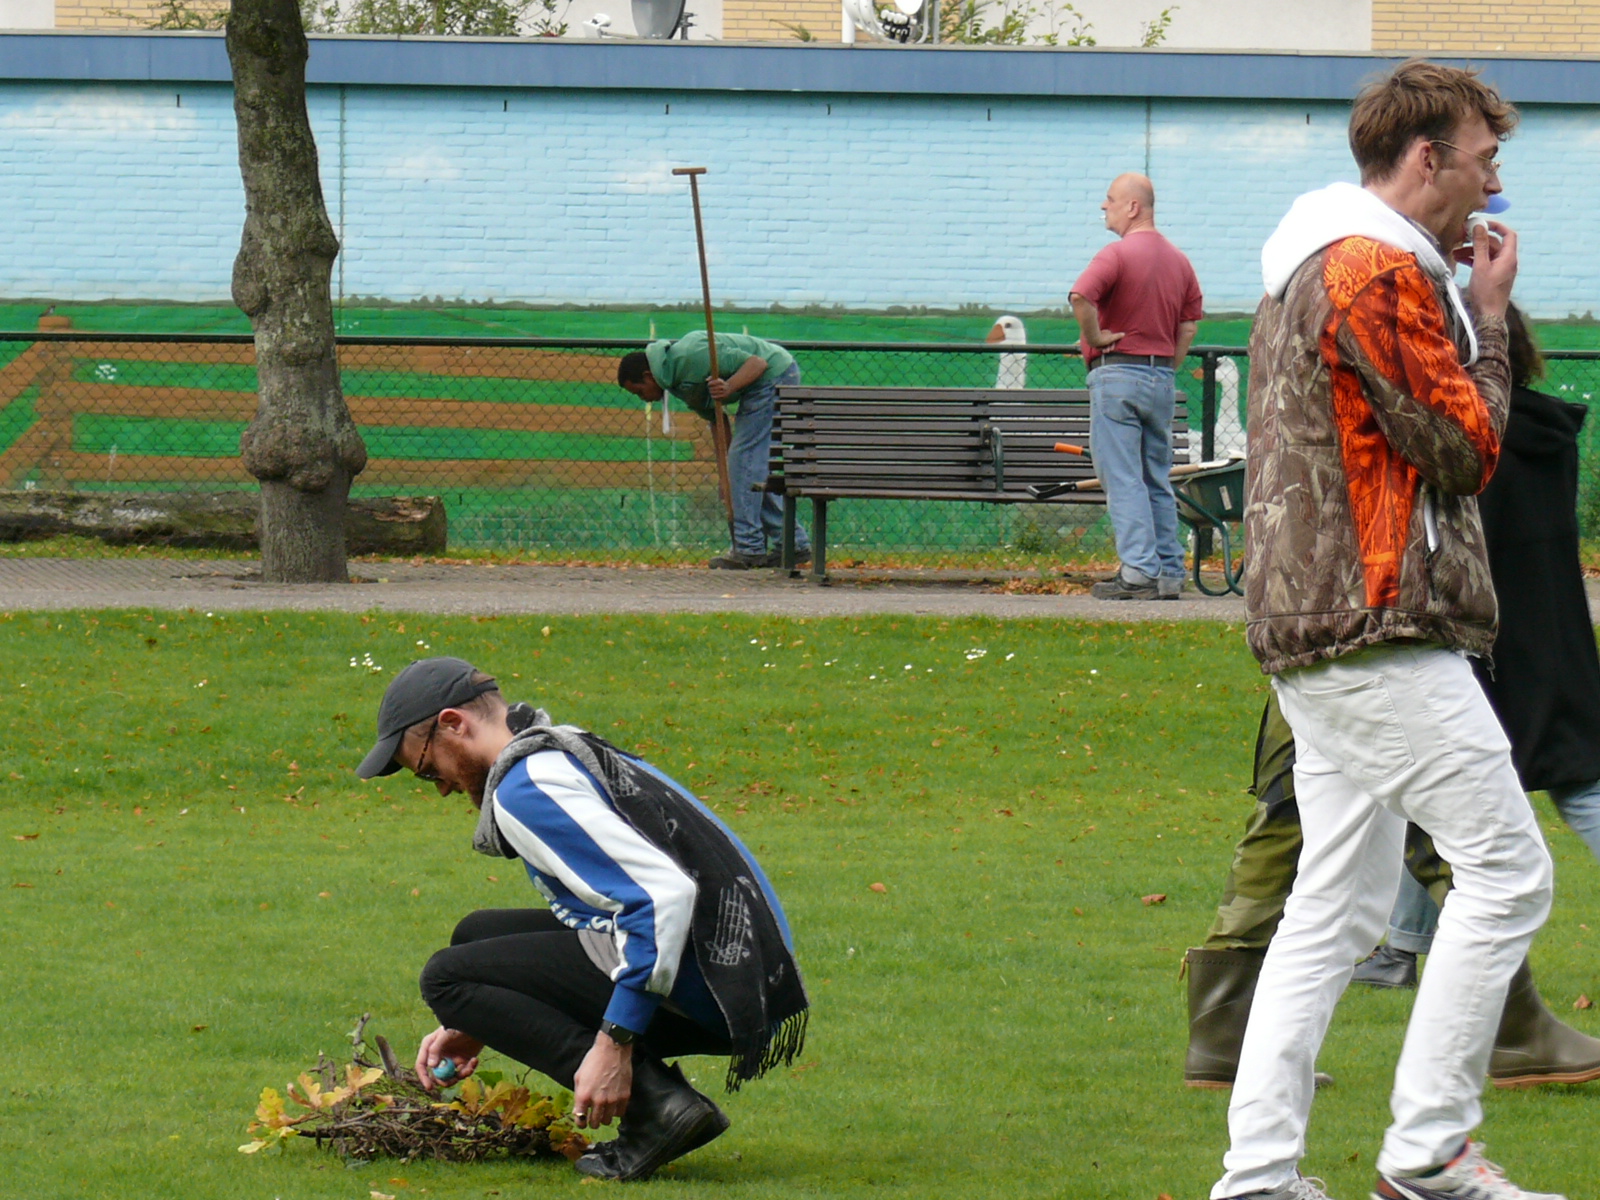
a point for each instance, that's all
(212, 898)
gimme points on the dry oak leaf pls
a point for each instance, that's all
(1154, 898)
(1582, 1002)
(877, 887)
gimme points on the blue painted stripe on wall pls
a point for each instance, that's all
(726, 66)
(124, 191)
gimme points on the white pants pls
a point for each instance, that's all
(1381, 736)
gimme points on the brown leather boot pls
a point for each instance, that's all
(1222, 984)
(1534, 1047)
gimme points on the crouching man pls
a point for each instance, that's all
(663, 936)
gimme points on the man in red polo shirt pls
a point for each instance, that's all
(1138, 304)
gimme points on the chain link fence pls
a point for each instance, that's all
(534, 449)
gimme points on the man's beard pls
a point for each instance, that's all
(477, 779)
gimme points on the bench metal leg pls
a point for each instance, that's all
(819, 539)
(789, 505)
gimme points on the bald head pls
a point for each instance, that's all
(1130, 204)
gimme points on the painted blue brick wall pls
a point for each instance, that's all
(122, 191)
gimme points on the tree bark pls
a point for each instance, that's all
(302, 444)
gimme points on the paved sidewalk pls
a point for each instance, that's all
(480, 588)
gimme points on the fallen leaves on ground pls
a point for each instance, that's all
(1154, 898)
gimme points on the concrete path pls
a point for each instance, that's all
(28, 584)
(479, 588)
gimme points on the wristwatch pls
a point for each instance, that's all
(619, 1035)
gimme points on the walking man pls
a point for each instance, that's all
(753, 370)
(663, 936)
(1377, 399)
(1138, 305)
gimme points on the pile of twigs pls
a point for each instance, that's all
(371, 1110)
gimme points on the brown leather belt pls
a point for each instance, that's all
(1133, 360)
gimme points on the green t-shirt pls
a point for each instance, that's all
(683, 366)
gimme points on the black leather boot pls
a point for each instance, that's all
(666, 1119)
(1533, 1047)
(1221, 985)
(1387, 967)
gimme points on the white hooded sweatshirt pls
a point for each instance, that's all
(1340, 210)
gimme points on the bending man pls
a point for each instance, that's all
(662, 938)
(754, 370)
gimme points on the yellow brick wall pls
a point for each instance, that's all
(1479, 26)
(105, 14)
(758, 20)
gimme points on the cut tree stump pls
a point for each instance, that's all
(398, 525)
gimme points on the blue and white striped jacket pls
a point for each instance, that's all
(600, 873)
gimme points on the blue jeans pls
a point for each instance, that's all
(1414, 919)
(1579, 806)
(758, 515)
(1130, 437)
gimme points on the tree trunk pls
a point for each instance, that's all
(389, 525)
(302, 445)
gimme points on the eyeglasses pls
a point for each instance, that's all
(427, 743)
(1489, 164)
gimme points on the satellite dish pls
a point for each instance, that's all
(864, 16)
(657, 18)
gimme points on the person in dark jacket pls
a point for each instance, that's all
(1545, 680)
(1545, 685)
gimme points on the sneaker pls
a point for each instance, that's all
(1387, 967)
(1298, 1188)
(1122, 588)
(734, 561)
(1170, 587)
(1468, 1176)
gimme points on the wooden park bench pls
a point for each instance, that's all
(985, 445)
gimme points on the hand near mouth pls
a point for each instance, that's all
(1492, 254)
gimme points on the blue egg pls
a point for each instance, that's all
(445, 1070)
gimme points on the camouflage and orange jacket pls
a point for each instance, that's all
(1368, 441)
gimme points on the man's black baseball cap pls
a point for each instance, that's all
(424, 689)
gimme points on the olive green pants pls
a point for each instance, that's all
(1267, 857)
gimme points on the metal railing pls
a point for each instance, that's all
(535, 449)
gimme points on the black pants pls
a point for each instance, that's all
(519, 981)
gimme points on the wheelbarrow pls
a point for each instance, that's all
(1210, 500)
